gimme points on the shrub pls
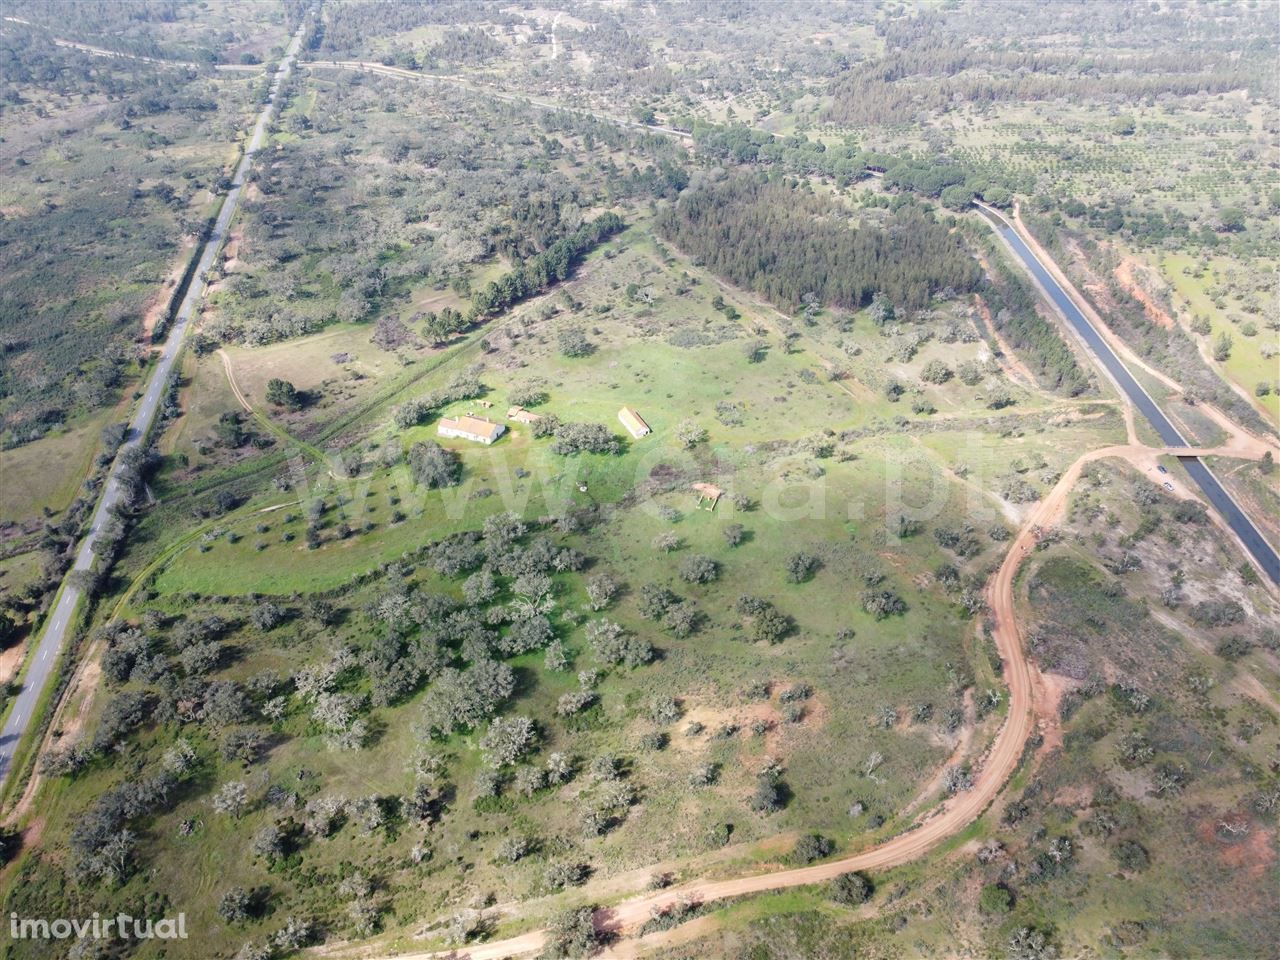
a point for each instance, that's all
(699, 568)
(1222, 347)
(995, 898)
(811, 847)
(935, 371)
(601, 589)
(267, 615)
(572, 933)
(771, 625)
(411, 413)
(575, 701)
(851, 889)
(507, 740)
(883, 603)
(235, 906)
(664, 709)
(666, 542)
(612, 645)
(801, 566)
(1131, 856)
(1234, 647)
(574, 438)
(432, 466)
(970, 373)
(1028, 943)
(282, 393)
(573, 342)
(766, 797)
(1217, 613)
(566, 873)
(690, 433)
(527, 395)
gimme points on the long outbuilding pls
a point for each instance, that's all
(468, 427)
(634, 423)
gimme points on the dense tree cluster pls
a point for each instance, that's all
(785, 243)
(419, 409)
(1014, 310)
(542, 270)
(575, 438)
(931, 63)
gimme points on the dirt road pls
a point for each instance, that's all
(231, 380)
(491, 90)
(1027, 694)
(958, 812)
(47, 654)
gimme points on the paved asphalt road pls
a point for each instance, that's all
(45, 656)
(1217, 495)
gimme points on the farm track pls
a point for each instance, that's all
(1028, 707)
(96, 51)
(277, 431)
(494, 92)
(1026, 688)
(46, 655)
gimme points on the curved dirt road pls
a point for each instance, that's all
(231, 380)
(1002, 758)
(958, 812)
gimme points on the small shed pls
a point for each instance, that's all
(708, 494)
(634, 423)
(521, 415)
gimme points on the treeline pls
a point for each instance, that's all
(458, 48)
(664, 176)
(870, 98)
(1151, 228)
(353, 28)
(847, 163)
(532, 277)
(143, 28)
(539, 272)
(31, 65)
(932, 62)
(784, 243)
(1036, 340)
(1170, 349)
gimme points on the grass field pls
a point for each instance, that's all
(764, 419)
(1148, 870)
(46, 475)
(825, 468)
(1249, 363)
(902, 661)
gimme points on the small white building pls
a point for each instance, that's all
(468, 427)
(633, 422)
